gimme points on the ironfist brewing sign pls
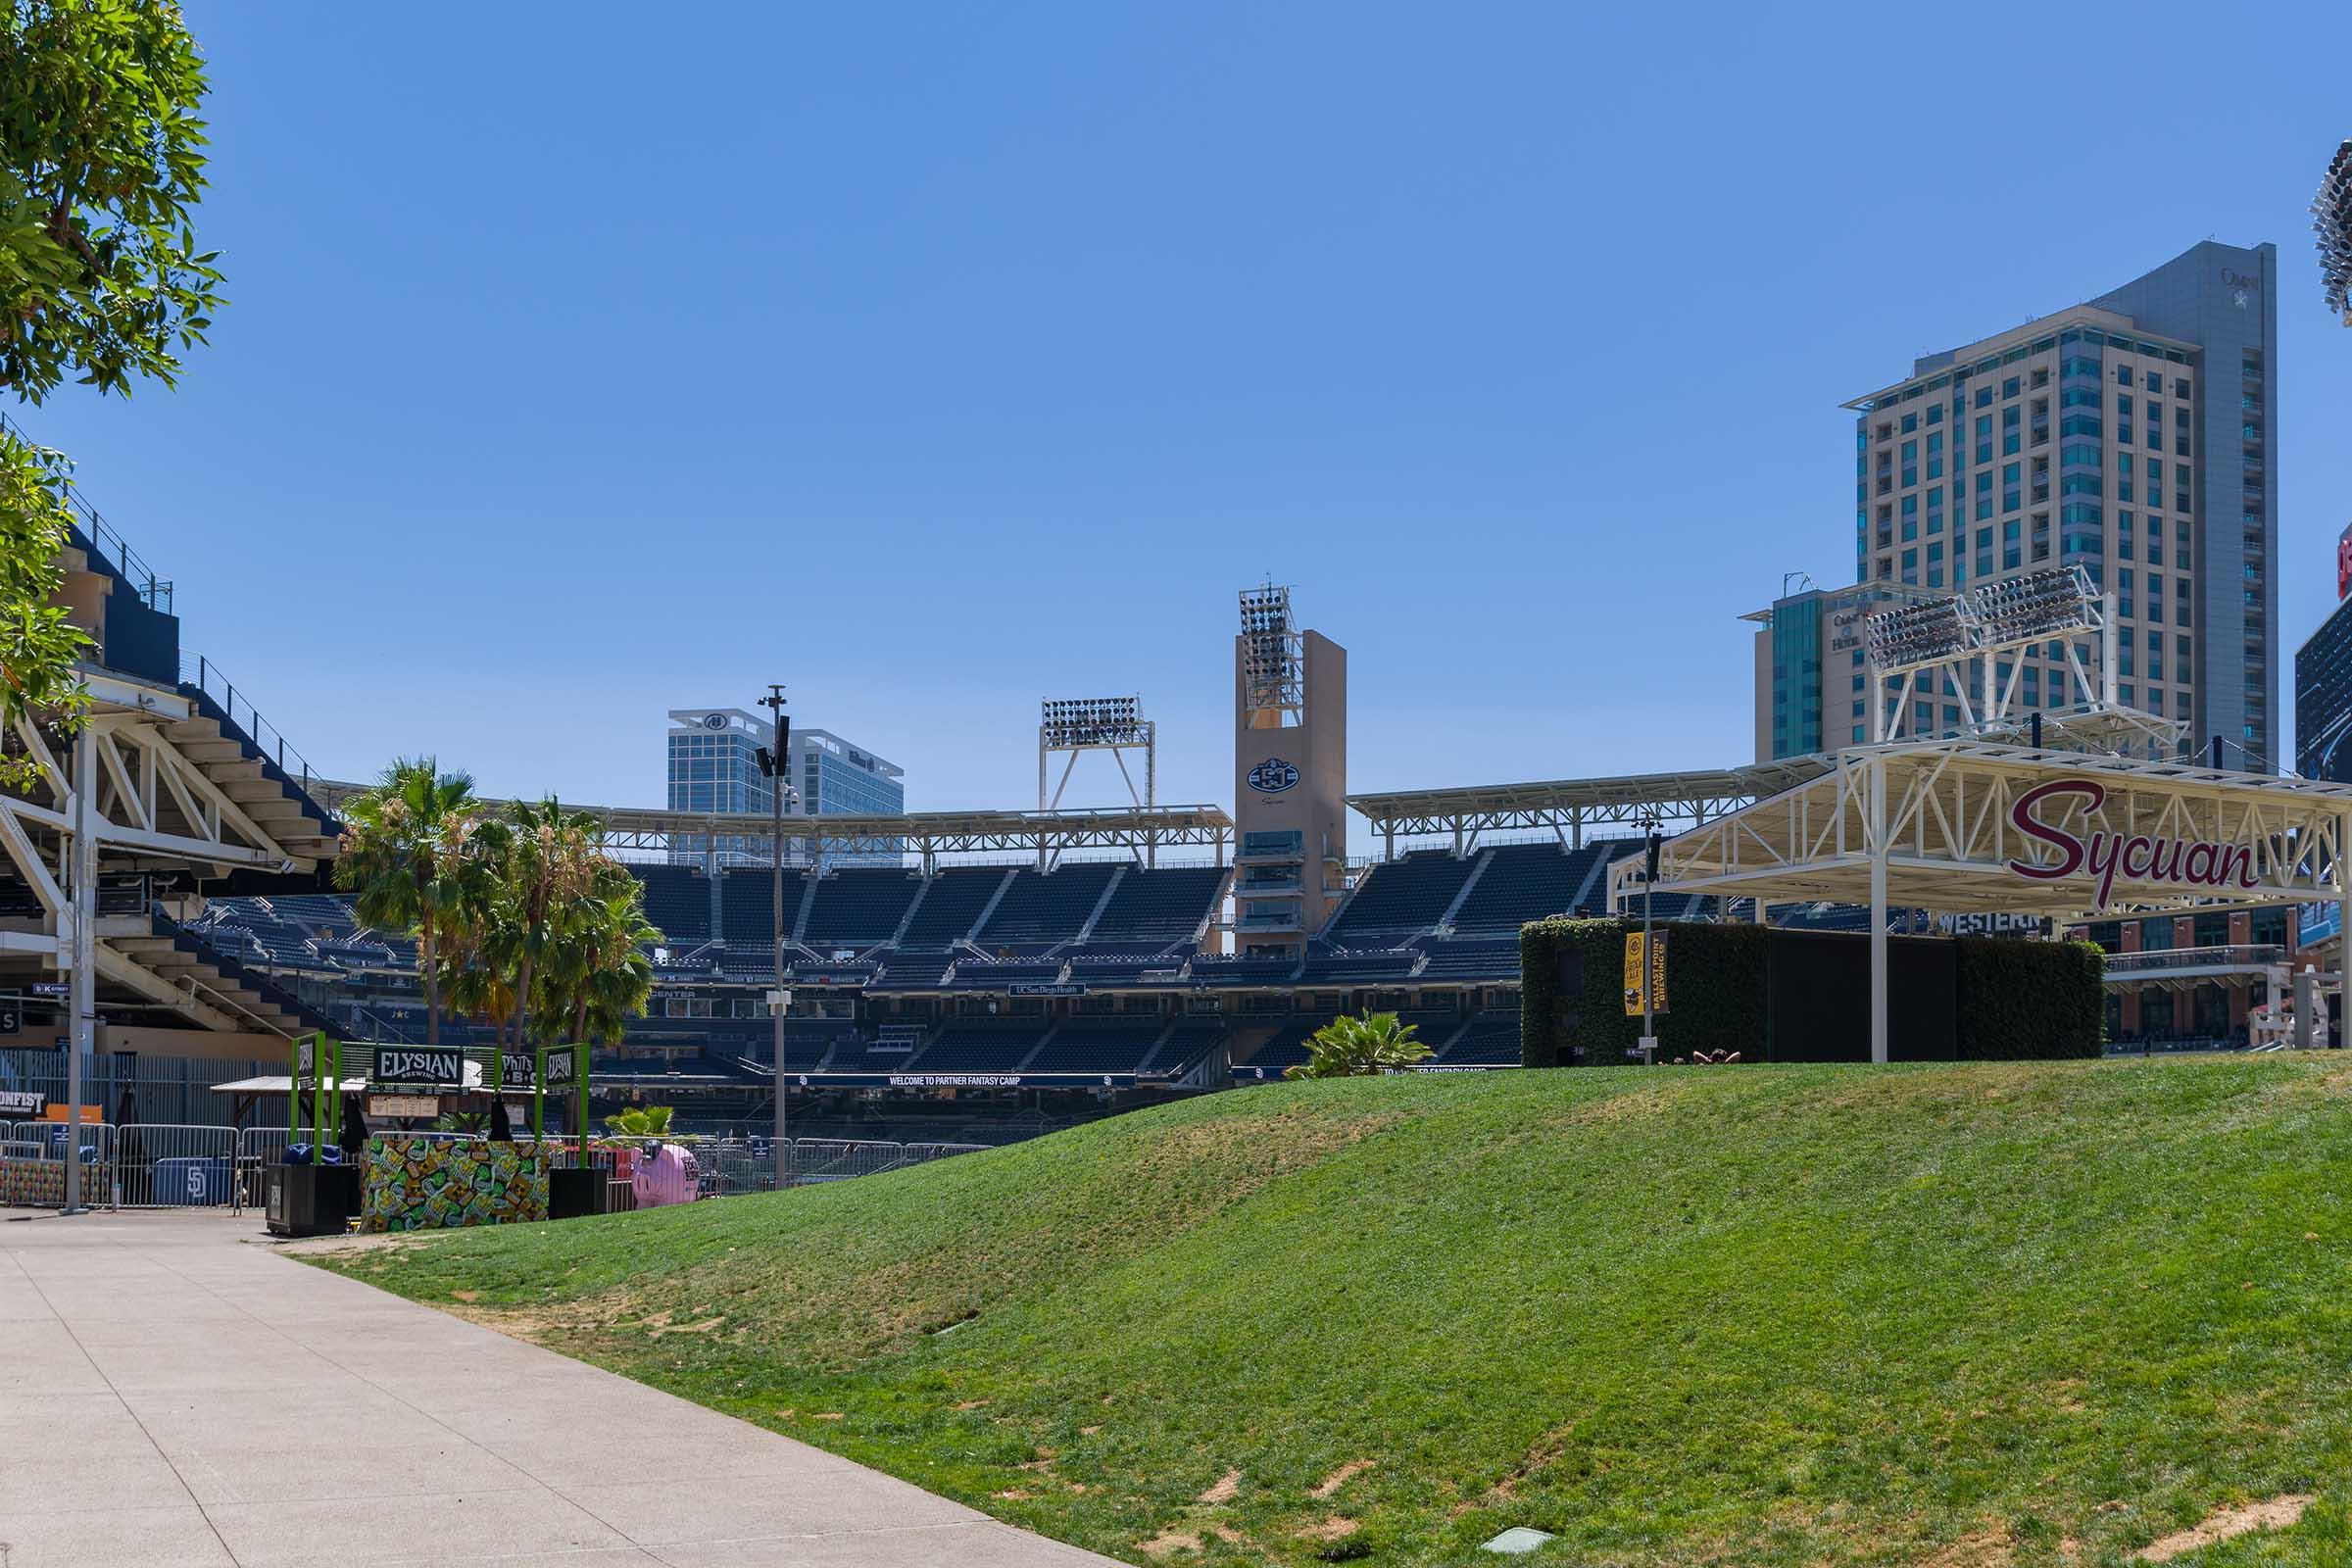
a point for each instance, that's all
(1635, 965)
(2105, 856)
(416, 1064)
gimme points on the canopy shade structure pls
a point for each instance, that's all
(1970, 826)
(1567, 807)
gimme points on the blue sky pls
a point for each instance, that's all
(934, 361)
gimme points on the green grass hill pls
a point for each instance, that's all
(1963, 1316)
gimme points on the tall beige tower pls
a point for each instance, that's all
(1290, 777)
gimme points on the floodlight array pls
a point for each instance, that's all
(1916, 634)
(2055, 601)
(2331, 221)
(2050, 603)
(1272, 662)
(1092, 722)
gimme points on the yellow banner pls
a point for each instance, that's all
(1634, 967)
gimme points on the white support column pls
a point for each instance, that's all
(2343, 927)
(1878, 909)
(2108, 672)
(82, 998)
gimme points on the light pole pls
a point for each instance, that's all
(1649, 954)
(775, 763)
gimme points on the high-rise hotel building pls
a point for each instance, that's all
(2133, 435)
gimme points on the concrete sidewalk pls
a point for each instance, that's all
(173, 1393)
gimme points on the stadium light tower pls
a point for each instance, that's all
(2331, 221)
(1948, 651)
(775, 761)
(1273, 660)
(1114, 724)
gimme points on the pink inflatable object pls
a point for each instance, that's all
(668, 1175)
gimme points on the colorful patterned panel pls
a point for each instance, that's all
(411, 1184)
(41, 1183)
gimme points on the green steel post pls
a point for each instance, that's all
(579, 1073)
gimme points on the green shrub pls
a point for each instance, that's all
(2014, 1000)
(1714, 992)
(2031, 1000)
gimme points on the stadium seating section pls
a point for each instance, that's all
(910, 961)
(855, 908)
(1406, 895)
(951, 905)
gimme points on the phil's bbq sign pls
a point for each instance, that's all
(2039, 815)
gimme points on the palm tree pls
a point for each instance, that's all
(550, 862)
(596, 976)
(1370, 1044)
(397, 857)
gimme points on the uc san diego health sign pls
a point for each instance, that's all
(2041, 815)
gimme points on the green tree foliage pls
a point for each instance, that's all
(406, 855)
(595, 977)
(538, 933)
(1372, 1042)
(640, 1121)
(101, 164)
(39, 644)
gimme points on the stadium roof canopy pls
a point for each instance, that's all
(1143, 830)
(1972, 826)
(1567, 807)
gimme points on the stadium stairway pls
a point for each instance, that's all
(256, 781)
(171, 966)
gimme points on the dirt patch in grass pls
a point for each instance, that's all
(1630, 1105)
(2275, 1514)
(1226, 1486)
(1987, 1549)
(1339, 1478)
(1167, 1542)
(1338, 1527)
(1548, 1449)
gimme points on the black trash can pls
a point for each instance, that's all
(573, 1192)
(310, 1200)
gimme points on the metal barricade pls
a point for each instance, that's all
(257, 1149)
(46, 1141)
(174, 1165)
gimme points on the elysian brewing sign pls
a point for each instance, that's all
(414, 1065)
(2105, 856)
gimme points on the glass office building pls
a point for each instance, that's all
(714, 766)
(2323, 687)
(2135, 436)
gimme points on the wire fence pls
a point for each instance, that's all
(171, 1165)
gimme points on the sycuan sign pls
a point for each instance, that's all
(2105, 856)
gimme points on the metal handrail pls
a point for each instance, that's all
(2237, 956)
(207, 677)
(154, 591)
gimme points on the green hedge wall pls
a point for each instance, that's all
(2015, 999)
(1714, 992)
(2039, 999)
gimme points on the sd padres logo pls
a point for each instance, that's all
(1272, 776)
